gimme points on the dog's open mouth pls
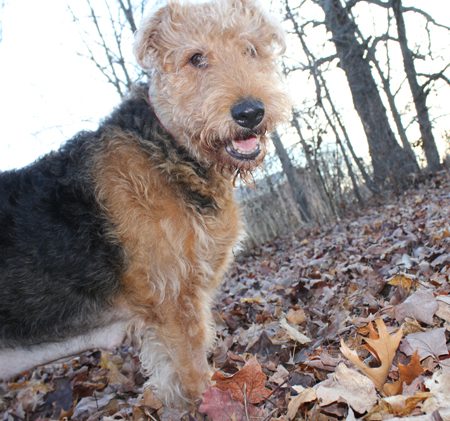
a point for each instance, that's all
(244, 149)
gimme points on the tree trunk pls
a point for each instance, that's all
(389, 160)
(395, 113)
(289, 170)
(419, 96)
(320, 83)
(315, 172)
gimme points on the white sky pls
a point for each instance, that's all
(48, 92)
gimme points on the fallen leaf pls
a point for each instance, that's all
(420, 306)
(398, 405)
(443, 311)
(304, 396)
(248, 384)
(252, 300)
(407, 374)
(218, 405)
(89, 404)
(348, 386)
(114, 374)
(293, 333)
(383, 348)
(429, 343)
(31, 393)
(150, 400)
(280, 376)
(439, 386)
(296, 317)
(402, 281)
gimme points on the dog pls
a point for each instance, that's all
(130, 228)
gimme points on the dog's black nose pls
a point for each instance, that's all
(248, 113)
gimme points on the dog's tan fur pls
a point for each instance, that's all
(176, 255)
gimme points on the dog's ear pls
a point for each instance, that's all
(266, 24)
(149, 47)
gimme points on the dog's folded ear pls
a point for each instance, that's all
(148, 45)
(146, 39)
(264, 23)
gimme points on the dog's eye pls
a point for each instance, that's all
(251, 51)
(199, 60)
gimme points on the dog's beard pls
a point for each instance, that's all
(236, 155)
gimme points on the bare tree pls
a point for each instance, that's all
(108, 37)
(389, 160)
(294, 182)
(418, 92)
(316, 174)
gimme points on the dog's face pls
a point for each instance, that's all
(214, 81)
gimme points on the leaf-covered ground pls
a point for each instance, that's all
(344, 322)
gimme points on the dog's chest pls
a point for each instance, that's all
(169, 244)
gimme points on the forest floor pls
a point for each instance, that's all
(344, 322)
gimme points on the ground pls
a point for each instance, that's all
(289, 303)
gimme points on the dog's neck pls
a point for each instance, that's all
(203, 187)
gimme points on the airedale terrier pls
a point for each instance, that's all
(131, 227)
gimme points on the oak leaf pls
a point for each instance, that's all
(407, 373)
(247, 385)
(382, 346)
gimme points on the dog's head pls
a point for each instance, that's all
(214, 80)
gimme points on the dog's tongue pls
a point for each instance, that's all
(246, 145)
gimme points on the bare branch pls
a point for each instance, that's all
(435, 76)
(128, 11)
(388, 4)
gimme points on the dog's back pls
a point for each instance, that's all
(53, 245)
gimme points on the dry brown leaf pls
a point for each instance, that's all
(439, 386)
(218, 405)
(383, 348)
(247, 384)
(304, 396)
(114, 374)
(296, 317)
(443, 311)
(412, 370)
(429, 343)
(407, 374)
(402, 281)
(397, 405)
(293, 333)
(348, 386)
(420, 306)
(149, 399)
(280, 376)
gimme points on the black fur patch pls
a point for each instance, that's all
(57, 270)
(60, 268)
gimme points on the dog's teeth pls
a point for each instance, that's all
(246, 146)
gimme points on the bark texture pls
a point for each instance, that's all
(419, 95)
(390, 162)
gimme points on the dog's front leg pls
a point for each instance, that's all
(174, 352)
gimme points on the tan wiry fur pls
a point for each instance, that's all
(176, 255)
(229, 33)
